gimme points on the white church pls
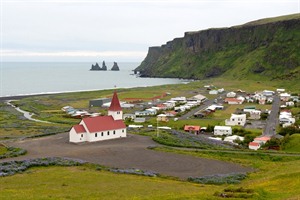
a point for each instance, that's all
(92, 129)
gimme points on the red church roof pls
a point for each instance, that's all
(103, 123)
(115, 103)
(79, 128)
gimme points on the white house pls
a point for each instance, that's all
(199, 97)
(222, 130)
(255, 114)
(268, 93)
(236, 120)
(289, 103)
(145, 112)
(231, 94)
(284, 96)
(254, 145)
(249, 108)
(92, 129)
(233, 138)
(221, 90)
(241, 98)
(279, 90)
(179, 99)
(285, 117)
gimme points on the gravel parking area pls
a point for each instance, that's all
(130, 152)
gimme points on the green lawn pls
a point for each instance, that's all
(87, 183)
(293, 144)
(276, 177)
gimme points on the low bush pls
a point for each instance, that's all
(13, 152)
(135, 171)
(219, 179)
(13, 167)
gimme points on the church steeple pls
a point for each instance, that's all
(115, 109)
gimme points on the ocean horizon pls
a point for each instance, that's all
(32, 78)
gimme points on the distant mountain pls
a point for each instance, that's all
(267, 48)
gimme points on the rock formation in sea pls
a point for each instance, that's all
(115, 67)
(96, 67)
(104, 66)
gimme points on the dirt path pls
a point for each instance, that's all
(130, 152)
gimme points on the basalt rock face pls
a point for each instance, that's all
(268, 48)
(115, 67)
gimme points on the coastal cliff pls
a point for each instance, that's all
(268, 47)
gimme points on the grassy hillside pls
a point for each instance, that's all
(293, 144)
(264, 49)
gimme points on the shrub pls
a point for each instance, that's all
(13, 152)
(134, 171)
(219, 179)
(13, 167)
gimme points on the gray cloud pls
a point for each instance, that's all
(119, 26)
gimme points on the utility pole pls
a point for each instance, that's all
(157, 133)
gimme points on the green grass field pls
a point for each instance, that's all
(87, 183)
(293, 144)
(276, 177)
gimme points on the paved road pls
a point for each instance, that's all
(130, 152)
(272, 121)
(193, 111)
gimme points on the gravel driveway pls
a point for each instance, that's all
(130, 152)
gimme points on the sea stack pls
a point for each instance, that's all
(115, 67)
(104, 66)
(95, 67)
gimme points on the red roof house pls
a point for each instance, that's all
(254, 145)
(99, 128)
(192, 129)
(233, 101)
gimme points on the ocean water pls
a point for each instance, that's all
(23, 78)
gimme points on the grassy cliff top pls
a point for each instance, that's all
(273, 19)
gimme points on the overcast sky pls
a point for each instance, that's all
(96, 30)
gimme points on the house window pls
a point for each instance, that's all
(107, 132)
(118, 112)
(96, 135)
(114, 132)
(81, 135)
(101, 133)
(123, 131)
